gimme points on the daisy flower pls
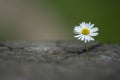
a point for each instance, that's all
(85, 32)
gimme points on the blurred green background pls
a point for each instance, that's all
(55, 19)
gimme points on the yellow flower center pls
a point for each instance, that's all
(85, 31)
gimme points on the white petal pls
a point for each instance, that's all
(85, 41)
(94, 29)
(82, 38)
(76, 36)
(79, 38)
(91, 38)
(83, 23)
(77, 29)
(88, 25)
(87, 38)
(93, 34)
(91, 26)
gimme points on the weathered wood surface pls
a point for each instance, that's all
(59, 60)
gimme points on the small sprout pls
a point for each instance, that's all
(85, 32)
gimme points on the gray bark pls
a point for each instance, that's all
(59, 60)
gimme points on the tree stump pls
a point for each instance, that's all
(59, 60)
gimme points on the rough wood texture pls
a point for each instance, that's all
(59, 60)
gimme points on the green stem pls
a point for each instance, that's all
(86, 48)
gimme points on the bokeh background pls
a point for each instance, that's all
(55, 19)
